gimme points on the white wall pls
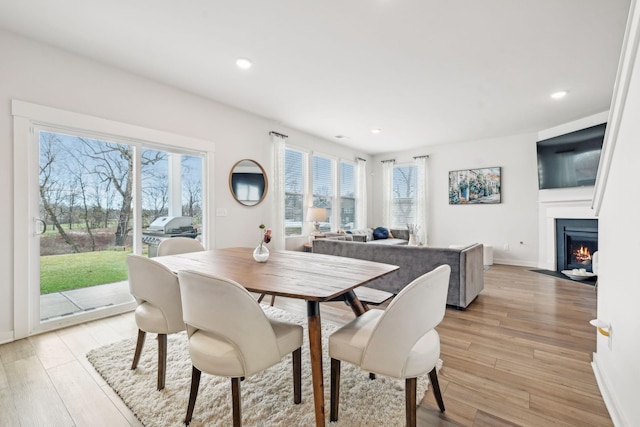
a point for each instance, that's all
(513, 222)
(616, 360)
(47, 76)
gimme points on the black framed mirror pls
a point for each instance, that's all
(248, 182)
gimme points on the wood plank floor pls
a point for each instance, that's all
(519, 355)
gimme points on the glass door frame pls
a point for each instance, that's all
(26, 119)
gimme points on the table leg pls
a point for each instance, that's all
(315, 348)
(355, 304)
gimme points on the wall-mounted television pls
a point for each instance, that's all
(570, 160)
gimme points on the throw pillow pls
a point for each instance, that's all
(380, 233)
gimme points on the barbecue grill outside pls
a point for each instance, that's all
(166, 227)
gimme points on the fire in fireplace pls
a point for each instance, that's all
(576, 241)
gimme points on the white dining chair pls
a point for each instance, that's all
(157, 292)
(398, 342)
(230, 336)
(179, 245)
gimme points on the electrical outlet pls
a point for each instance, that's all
(506, 247)
(221, 212)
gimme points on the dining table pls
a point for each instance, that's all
(312, 277)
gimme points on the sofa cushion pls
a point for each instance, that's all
(390, 241)
(347, 237)
(380, 233)
(362, 235)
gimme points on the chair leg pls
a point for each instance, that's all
(335, 389)
(297, 375)
(193, 394)
(410, 392)
(162, 359)
(235, 397)
(433, 377)
(138, 352)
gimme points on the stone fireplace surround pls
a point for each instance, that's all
(568, 203)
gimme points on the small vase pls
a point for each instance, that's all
(412, 240)
(261, 253)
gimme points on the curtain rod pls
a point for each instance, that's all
(426, 156)
(360, 158)
(278, 134)
(388, 161)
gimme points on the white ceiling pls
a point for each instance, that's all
(423, 71)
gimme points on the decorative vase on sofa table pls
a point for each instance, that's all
(412, 240)
(261, 253)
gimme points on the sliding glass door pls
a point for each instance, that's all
(86, 220)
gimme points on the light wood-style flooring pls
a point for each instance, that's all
(519, 355)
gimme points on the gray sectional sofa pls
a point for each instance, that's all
(467, 272)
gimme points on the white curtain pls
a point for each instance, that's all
(361, 193)
(277, 188)
(387, 188)
(422, 199)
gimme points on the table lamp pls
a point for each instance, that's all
(316, 215)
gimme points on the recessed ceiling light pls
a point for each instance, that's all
(559, 95)
(243, 63)
(376, 131)
(341, 137)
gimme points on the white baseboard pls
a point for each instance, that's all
(6, 337)
(609, 400)
(517, 263)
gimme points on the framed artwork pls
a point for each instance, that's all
(474, 186)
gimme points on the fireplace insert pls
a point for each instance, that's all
(576, 242)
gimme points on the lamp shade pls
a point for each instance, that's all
(316, 214)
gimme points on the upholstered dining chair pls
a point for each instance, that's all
(159, 310)
(230, 336)
(399, 342)
(179, 245)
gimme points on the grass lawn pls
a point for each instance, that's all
(73, 271)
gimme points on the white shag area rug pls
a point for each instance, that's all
(267, 397)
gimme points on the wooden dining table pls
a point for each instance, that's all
(313, 277)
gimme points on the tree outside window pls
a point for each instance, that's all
(294, 192)
(323, 188)
(403, 207)
(347, 196)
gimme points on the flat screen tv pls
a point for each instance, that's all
(570, 160)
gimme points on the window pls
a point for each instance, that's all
(322, 182)
(293, 191)
(347, 196)
(322, 179)
(160, 197)
(403, 198)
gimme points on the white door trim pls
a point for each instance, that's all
(25, 117)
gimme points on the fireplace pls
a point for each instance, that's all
(576, 241)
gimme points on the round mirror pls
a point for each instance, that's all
(248, 182)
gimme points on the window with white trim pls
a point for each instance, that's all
(318, 181)
(294, 191)
(347, 195)
(322, 181)
(403, 197)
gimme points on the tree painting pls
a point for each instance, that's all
(474, 186)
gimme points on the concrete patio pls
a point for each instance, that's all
(65, 303)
